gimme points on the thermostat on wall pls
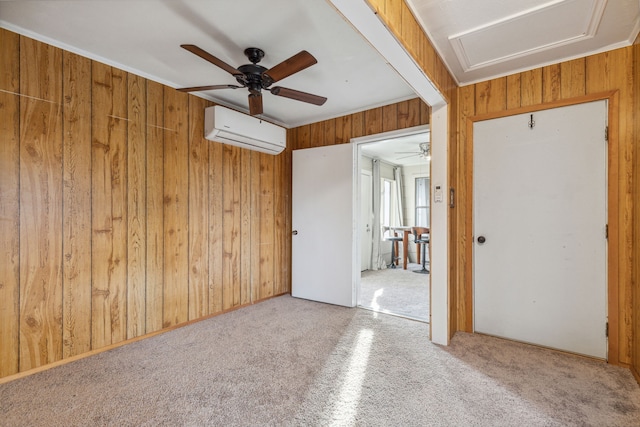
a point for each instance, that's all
(437, 194)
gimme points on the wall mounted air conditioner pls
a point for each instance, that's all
(232, 127)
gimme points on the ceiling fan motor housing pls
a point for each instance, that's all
(252, 77)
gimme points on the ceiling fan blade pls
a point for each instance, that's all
(298, 95)
(210, 58)
(297, 62)
(211, 87)
(255, 104)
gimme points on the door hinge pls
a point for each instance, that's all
(606, 133)
(606, 329)
(606, 231)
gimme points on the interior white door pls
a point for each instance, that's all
(323, 224)
(540, 228)
(366, 220)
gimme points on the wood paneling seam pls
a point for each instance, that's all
(31, 97)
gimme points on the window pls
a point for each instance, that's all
(422, 202)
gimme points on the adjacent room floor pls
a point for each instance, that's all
(396, 291)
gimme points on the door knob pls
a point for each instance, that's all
(481, 239)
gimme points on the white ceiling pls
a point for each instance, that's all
(144, 37)
(402, 150)
(481, 40)
(478, 40)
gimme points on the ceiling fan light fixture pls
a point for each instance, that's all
(425, 151)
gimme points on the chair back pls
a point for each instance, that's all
(418, 233)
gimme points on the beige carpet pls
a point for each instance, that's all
(396, 291)
(298, 363)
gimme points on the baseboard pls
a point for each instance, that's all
(57, 363)
(636, 373)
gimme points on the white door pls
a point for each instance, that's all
(366, 220)
(323, 225)
(540, 228)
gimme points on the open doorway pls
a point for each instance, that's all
(394, 223)
(344, 243)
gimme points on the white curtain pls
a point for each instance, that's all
(377, 263)
(397, 176)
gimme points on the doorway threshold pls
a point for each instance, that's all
(390, 313)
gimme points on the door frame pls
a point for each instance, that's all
(439, 278)
(371, 26)
(612, 208)
(370, 175)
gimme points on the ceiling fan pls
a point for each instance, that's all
(256, 77)
(424, 152)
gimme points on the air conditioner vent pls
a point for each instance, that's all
(224, 125)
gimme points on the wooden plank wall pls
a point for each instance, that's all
(117, 218)
(635, 363)
(608, 71)
(340, 130)
(9, 203)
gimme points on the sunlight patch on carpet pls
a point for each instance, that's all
(374, 301)
(346, 407)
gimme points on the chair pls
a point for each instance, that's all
(421, 238)
(391, 237)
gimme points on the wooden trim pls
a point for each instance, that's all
(62, 362)
(613, 354)
(469, 230)
(612, 208)
(635, 196)
(635, 373)
(545, 106)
